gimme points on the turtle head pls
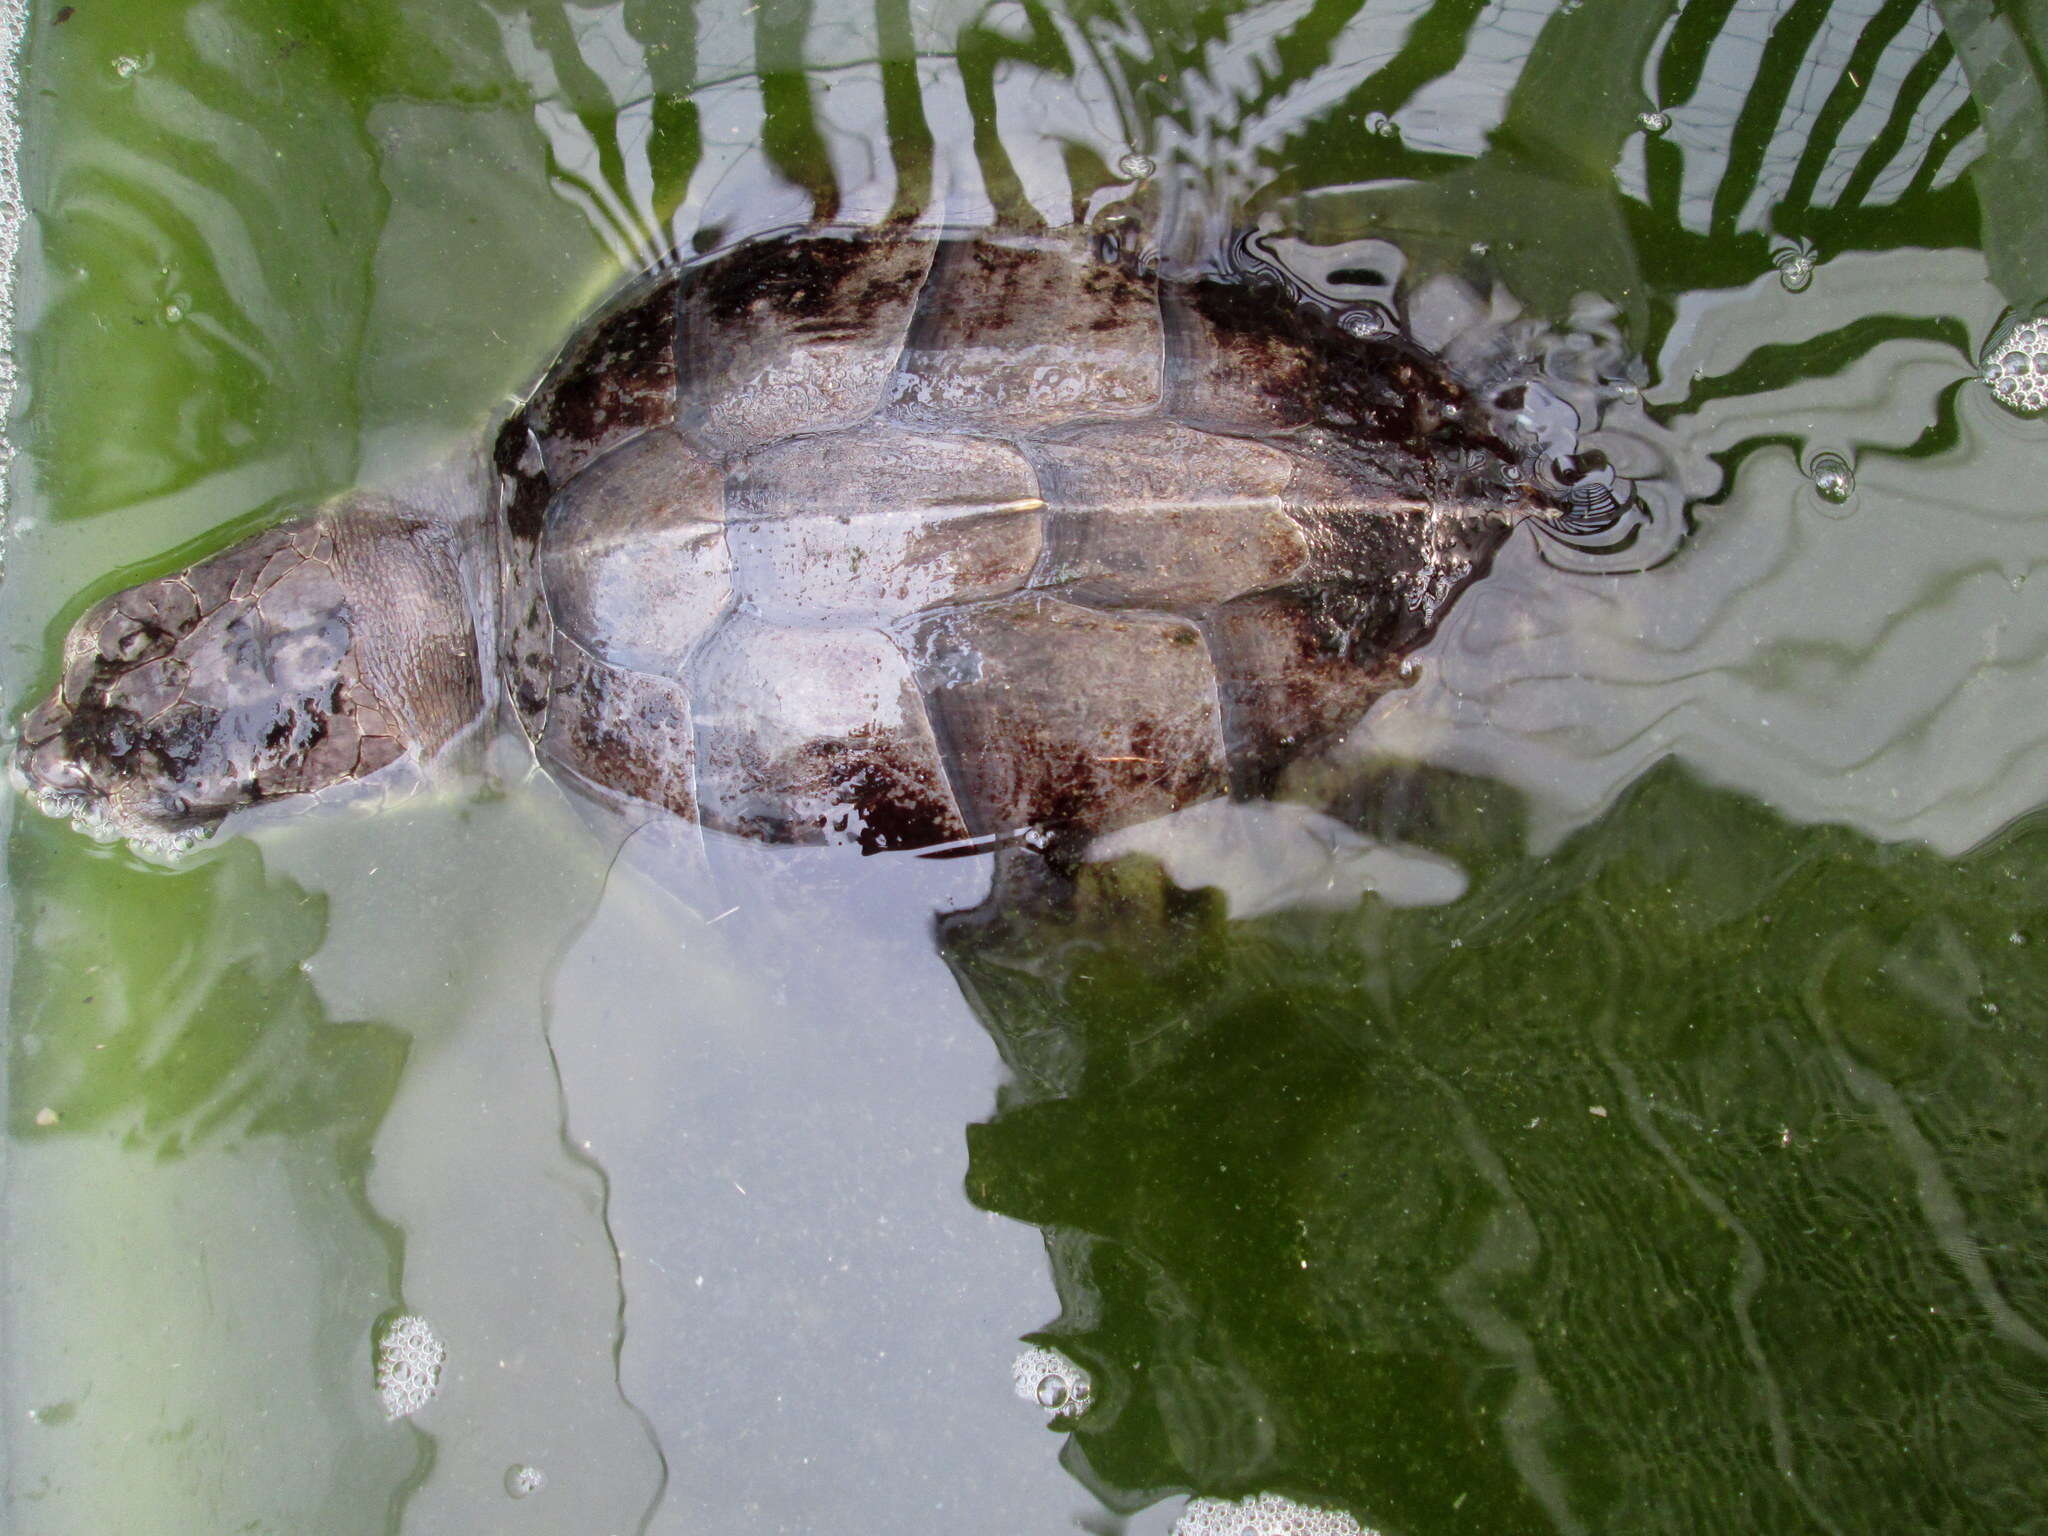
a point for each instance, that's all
(262, 672)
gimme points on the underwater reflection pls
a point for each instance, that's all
(194, 1263)
(1757, 126)
(1726, 1221)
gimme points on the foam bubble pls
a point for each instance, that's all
(1654, 122)
(2016, 366)
(1136, 167)
(1263, 1514)
(97, 822)
(1052, 1381)
(524, 1481)
(409, 1360)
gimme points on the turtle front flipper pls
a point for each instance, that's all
(311, 655)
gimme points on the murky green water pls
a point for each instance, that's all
(1684, 1175)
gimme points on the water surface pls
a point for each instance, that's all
(1683, 1174)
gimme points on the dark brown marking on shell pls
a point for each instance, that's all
(1296, 670)
(864, 787)
(998, 279)
(624, 731)
(815, 733)
(529, 669)
(526, 631)
(618, 380)
(523, 484)
(782, 337)
(1018, 333)
(898, 802)
(1064, 718)
(824, 286)
(1409, 422)
(1384, 579)
(1229, 365)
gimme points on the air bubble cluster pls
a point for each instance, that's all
(1832, 477)
(409, 1360)
(92, 819)
(2016, 367)
(1263, 1514)
(1048, 1378)
(1654, 122)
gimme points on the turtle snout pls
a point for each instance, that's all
(48, 770)
(44, 764)
(106, 772)
(70, 760)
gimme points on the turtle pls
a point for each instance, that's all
(910, 538)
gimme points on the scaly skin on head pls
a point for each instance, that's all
(243, 679)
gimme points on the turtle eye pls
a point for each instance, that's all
(117, 638)
(125, 639)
